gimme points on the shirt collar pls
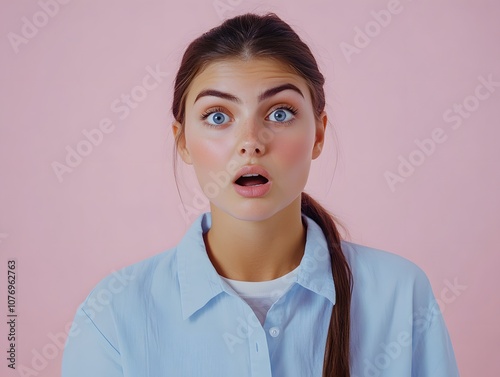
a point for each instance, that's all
(199, 281)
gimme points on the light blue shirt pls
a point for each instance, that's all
(173, 315)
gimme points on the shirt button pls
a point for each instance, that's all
(274, 331)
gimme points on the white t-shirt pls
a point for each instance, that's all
(261, 295)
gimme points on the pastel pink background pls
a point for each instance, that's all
(120, 205)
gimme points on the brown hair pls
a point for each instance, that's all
(245, 37)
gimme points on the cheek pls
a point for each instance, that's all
(208, 154)
(294, 155)
(294, 151)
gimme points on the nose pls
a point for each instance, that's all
(252, 148)
(251, 144)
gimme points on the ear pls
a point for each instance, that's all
(320, 135)
(181, 146)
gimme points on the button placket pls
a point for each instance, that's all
(260, 363)
(274, 317)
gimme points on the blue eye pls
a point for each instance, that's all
(284, 114)
(214, 117)
(218, 118)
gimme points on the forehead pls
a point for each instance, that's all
(232, 72)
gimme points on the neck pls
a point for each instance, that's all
(256, 250)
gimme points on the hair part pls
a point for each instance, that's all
(251, 36)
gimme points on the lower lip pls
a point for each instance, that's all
(253, 191)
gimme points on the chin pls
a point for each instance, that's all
(255, 209)
(251, 213)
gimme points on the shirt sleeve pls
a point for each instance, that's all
(433, 354)
(88, 351)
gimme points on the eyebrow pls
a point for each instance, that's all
(268, 93)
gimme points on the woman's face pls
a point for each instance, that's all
(228, 126)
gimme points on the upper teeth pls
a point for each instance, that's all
(250, 175)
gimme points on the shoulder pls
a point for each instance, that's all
(393, 304)
(124, 289)
(372, 260)
(386, 282)
(372, 265)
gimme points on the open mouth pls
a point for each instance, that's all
(251, 180)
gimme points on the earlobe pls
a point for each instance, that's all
(181, 145)
(320, 135)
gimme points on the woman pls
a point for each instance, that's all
(262, 285)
